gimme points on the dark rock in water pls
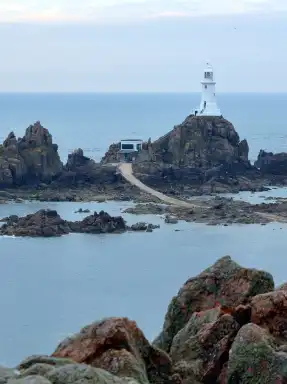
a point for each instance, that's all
(31, 159)
(47, 223)
(269, 163)
(81, 210)
(171, 220)
(143, 227)
(10, 219)
(118, 346)
(44, 223)
(224, 284)
(99, 223)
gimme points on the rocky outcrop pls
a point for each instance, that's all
(118, 346)
(202, 142)
(203, 152)
(81, 170)
(225, 284)
(48, 223)
(111, 156)
(272, 164)
(30, 159)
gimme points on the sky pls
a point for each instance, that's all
(142, 45)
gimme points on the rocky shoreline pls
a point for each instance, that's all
(225, 326)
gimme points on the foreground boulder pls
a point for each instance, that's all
(63, 371)
(30, 159)
(253, 358)
(269, 311)
(200, 349)
(225, 284)
(118, 346)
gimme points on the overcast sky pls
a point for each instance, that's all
(142, 45)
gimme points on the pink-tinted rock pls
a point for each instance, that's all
(270, 311)
(118, 346)
(225, 284)
(201, 348)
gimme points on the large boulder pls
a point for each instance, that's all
(200, 349)
(253, 358)
(118, 346)
(269, 311)
(30, 159)
(225, 284)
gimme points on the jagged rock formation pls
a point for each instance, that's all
(202, 142)
(32, 158)
(81, 170)
(204, 152)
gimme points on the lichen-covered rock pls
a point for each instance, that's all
(34, 379)
(7, 374)
(118, 346)
(225, 284)
(254, 360)
(34, 360)
(200, 349)
(270, 311)
(84, 374)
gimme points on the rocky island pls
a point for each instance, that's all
(202, 156)
(225, 326)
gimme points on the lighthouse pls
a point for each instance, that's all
(208, 105)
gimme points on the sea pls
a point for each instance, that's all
(50, 288)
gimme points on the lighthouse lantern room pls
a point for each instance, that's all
(208, 105)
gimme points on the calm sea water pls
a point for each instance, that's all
(50, 288)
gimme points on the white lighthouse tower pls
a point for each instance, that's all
(208, 105)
